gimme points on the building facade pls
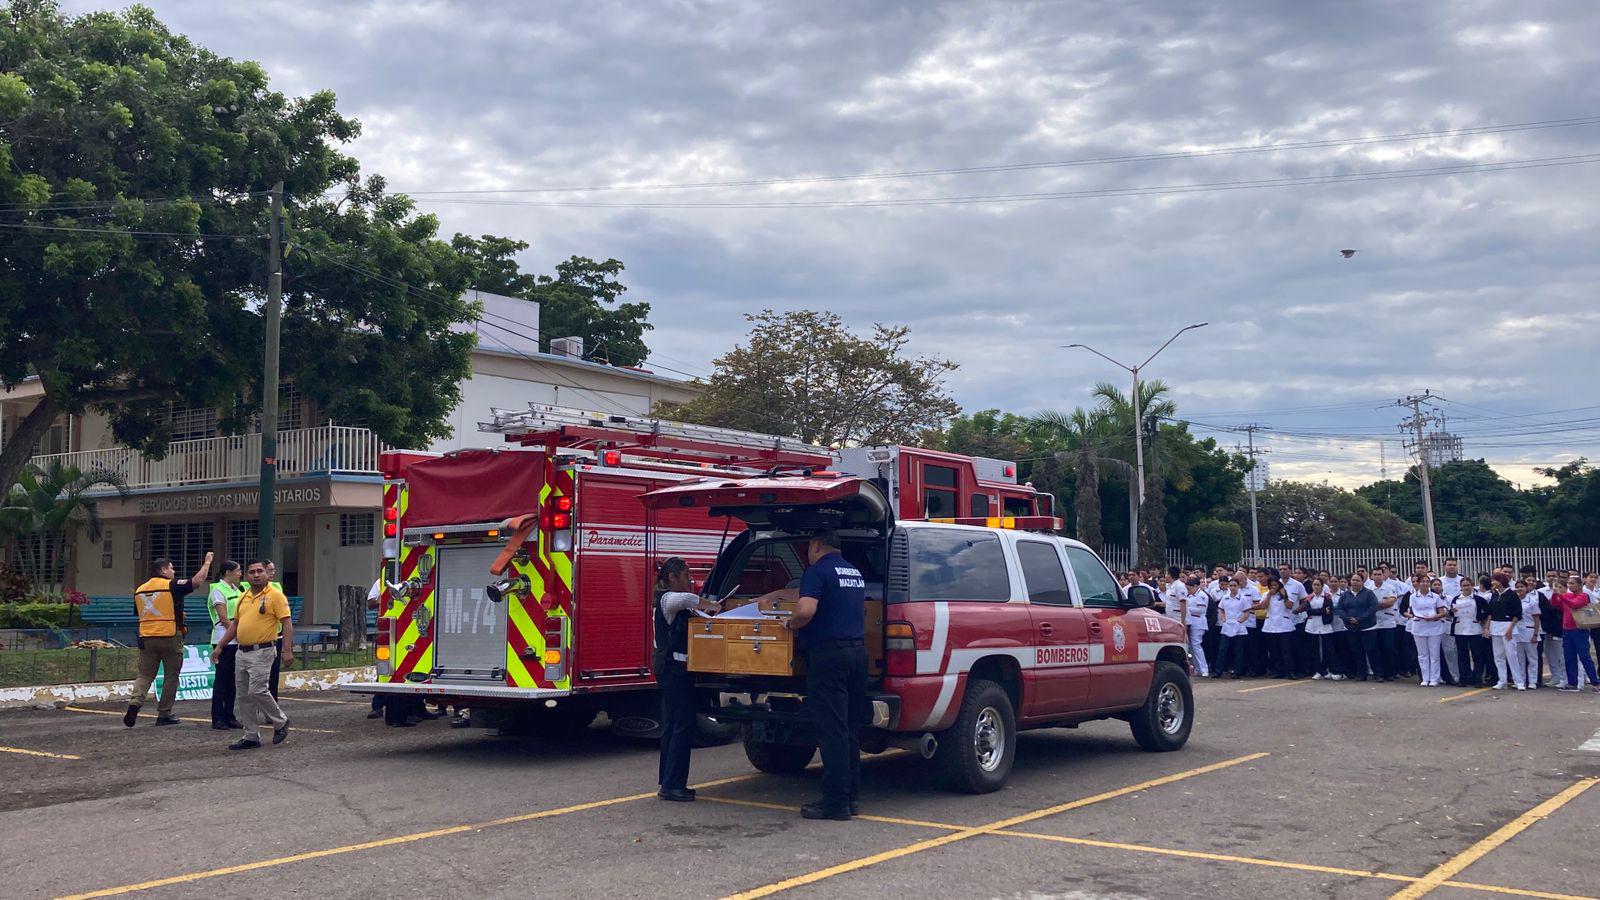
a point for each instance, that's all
(202, 496)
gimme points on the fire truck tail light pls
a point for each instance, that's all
(552, 657)
(385, 625)
(382, 653)
(561, 541)
(564, 504)
(611, 458)
(560, 520)
(390, 514)
(390, 529)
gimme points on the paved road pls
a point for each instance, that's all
(1303, 789)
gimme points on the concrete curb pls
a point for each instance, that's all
(50, 696)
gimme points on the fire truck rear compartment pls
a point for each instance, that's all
(470, 628)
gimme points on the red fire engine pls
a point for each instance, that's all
(561, 630)
(973, 631)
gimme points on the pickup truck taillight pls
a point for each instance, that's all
(900, 648)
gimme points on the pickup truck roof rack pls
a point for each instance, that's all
(560, 427)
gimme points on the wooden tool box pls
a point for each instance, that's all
(765, 646)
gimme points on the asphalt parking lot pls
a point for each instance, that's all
(1287, 789)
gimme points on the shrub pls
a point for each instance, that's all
(34, 615)
(13, 587)
(1212, 541)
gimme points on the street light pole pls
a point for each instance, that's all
(1138, 428)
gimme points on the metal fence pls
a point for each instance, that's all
(36, 656)
(1472, 560)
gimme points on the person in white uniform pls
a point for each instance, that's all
(1175, 595)
(1527, 632)
(1233, 609)
(1505, 611)
(1195, 603)
(1470, 611)
(1324, 626)
(1428, 612)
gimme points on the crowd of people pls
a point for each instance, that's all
(1504, 629)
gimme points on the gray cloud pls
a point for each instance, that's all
(1479, 286)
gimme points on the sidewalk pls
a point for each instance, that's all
(53, 695)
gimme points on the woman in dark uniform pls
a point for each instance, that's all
(675, 598)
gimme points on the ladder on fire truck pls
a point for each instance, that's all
(560, 427)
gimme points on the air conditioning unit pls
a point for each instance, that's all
(567, 346)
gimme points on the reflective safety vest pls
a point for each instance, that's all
(153, 601)
(231, 594)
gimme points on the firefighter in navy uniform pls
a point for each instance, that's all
(675, 598)
(829, 623)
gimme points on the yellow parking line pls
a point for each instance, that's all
(191, 877)
(1280, 864)
(942, 840)
(888, 820)
(38, 753)
(1268, 687)
(1467, 857)
(1471, 693)
(111, 712)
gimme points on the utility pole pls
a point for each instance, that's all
(1414, 425)
(1252, 480)
(269, 378)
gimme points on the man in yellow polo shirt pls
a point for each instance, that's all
(263, 614)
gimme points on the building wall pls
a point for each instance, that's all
(92, 577)
(335, 565)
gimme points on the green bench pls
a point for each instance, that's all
(112, 612)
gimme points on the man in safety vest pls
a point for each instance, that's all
(263, 615)
(159, 604)
(223, 604)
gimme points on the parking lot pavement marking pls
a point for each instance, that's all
(1472, 693)
(1268, 687)
(887, 820)
(1280, 864)
(397, 840)
(1456, 864)
(1592, 745)
(973, 831)
(112, 712)
(38, 753)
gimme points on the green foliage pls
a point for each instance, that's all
(806, 375)
(987, 432)
(579, 300)
(1567, 513)
(1473, 506)
(1212, 541)
(45, 508)
(13, 585)
(1305, 516)
(34, 615)
(121, 125)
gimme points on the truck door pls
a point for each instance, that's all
(1060, 632)
(1118, 679)
(470, 632)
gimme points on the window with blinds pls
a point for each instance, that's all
(243, 536)
(355, 529)
(185, 543)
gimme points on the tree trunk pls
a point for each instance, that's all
(19, 445)
(352, 617)
(1086, 506)
(1153, 522)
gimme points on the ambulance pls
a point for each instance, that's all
(977, 628)
(517, 580)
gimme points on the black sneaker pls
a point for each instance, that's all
(235, 724)
(855, 808)
(131, 716)
(818, 811)
(245, 744)
(219, 726)
(281, 733)
(375, 714)
(168, 719)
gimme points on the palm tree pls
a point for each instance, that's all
(1079, 437)
(1155, 406)
(46, 507)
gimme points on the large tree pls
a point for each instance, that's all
(805, 374)
(134, 167)
(1473, 506)
(580, 300)
(1296, 515)
(1080, 437)
(1160, 466)
(1566, 513)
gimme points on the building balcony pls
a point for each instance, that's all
(326, 450)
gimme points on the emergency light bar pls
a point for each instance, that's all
(1017, 523)
(610, 435)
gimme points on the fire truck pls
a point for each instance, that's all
(976, 628)
(517, 580)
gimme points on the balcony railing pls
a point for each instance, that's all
(302, 451)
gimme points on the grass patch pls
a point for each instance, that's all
(25, 668)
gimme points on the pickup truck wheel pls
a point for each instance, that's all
(1163, 723)
(975, 753)
(778, 759)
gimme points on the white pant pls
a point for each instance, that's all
(1429, 648)
(1197, 635)
(1530, 663)
(1553, 659)
(1508, 661)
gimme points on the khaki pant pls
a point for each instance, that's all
(255, 706)
(165, 653)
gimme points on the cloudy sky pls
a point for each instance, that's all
(1480, 285)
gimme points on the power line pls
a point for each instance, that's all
(27, 226)
(1050, 164)
(1098, 193)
